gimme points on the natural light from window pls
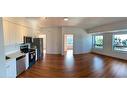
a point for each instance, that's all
(98, 41)
(120, 42)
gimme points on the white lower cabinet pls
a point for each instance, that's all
(11, 68)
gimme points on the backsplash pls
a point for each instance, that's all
(11, 49)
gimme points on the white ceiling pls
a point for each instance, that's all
(82, 22)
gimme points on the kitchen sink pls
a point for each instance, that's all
(7, 57)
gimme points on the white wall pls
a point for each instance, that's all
(53, 39)
(2, 57)
(107, 50)
(82, 40)
(107, 30)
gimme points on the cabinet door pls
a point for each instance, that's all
(12, 34)
(22, 34)
(9, 33)
(6, 33)
(11, 69)
(19, 35)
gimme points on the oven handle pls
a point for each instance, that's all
(32, 52)
(18, 58)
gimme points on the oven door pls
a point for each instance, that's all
(32, 58)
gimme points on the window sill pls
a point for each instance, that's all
(120, 51)
(98, 48)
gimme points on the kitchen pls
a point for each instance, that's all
(22, 50)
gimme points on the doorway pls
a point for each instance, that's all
(68, 44)
(44, 42)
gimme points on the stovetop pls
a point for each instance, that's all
(27, 50)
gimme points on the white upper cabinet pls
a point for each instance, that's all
(18, 35)
(9, 34)
(13, 33)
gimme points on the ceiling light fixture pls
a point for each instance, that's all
(66, 19)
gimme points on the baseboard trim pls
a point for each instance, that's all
(53, 54)
(82, 53)
(108, 56)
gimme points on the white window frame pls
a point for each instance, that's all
(93, 41)
(117, 33)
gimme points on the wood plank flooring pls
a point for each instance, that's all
(78, 66)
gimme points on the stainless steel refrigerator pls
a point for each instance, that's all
(38, 43)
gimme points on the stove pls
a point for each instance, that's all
(32, 57)
(32, 54)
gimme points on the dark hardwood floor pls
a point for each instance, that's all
(77, 66)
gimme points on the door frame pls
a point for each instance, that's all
(64, 41)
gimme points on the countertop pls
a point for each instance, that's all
(15, 55)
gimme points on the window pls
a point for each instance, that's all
(120, 42)
(69, 39)
(98, 41)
